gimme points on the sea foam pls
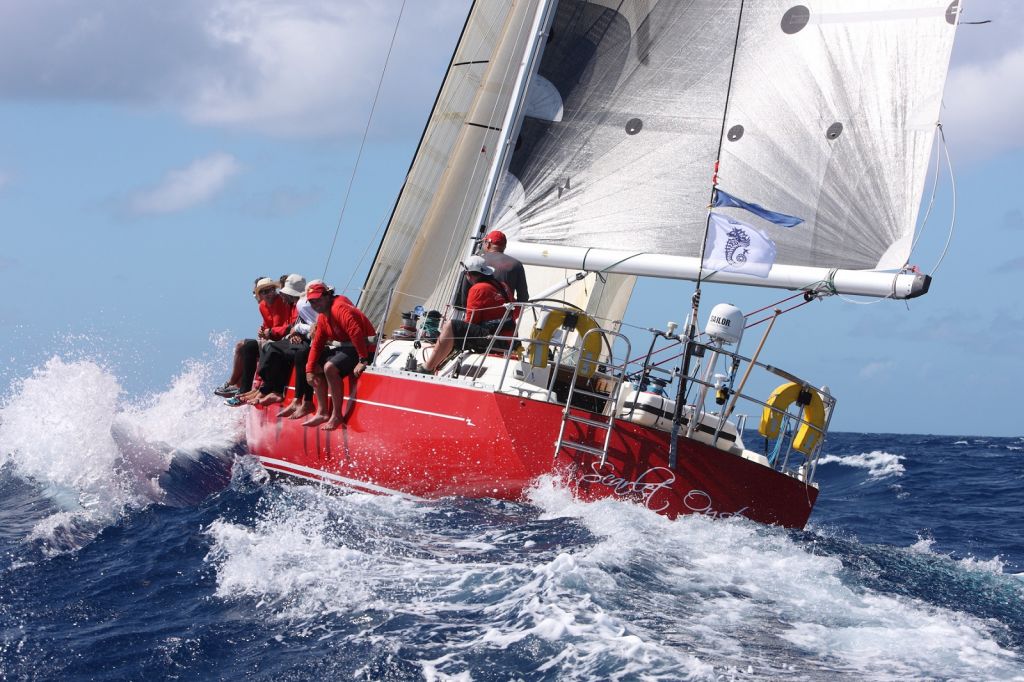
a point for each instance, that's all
(70, 430)
(599, 590)
(878, 463)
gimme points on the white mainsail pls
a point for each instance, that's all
(434, 215)
(829, 109)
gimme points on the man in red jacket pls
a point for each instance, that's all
(485, 309)
(342, 322)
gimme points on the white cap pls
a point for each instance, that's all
(478, 264)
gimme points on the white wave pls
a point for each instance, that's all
(995, 565)
(648, 599)
(741, 572)
(68, 429)
(878, 463)
(923, 546)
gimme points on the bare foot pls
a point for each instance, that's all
(315, 420)
(334, 423)
(270, 399)
(302, 410)
(248, 396)
(287, 411)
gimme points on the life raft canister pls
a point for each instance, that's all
(813, 415)
(545, 329)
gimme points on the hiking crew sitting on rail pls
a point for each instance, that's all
(278, 315)
(278, 358)
(506, 269)
(485, 309)
(302, 404)
(342, 322)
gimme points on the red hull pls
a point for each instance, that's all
(431, 439)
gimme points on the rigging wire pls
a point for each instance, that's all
(718, 154)
(378, 236)
(931, 196)
(362, 142)
(942, 145)
(952, 183)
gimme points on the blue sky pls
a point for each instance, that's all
(156, 157)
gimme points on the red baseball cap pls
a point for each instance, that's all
(496, 237)
(317, 290)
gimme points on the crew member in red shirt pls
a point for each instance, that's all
(278, 314)
(339, 321)
(485, 309)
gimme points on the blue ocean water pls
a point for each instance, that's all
(139, 541)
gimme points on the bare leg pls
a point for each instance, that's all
(236, 365)
(337, 396)
(320, 388)
(445, 343)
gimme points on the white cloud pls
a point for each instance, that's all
(286, 67)
(983, 105)
(184, 188)
(874, 369)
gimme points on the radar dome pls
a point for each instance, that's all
(725, 324)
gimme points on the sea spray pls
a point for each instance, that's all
(68, 430)
(600, 590)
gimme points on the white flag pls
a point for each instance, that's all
(734, 246)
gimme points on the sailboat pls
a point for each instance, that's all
(764, 144)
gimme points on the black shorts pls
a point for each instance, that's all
(344, 359)
(475, 337)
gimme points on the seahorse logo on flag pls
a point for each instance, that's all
(734, 246)
(734, 251)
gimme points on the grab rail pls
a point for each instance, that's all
(714, 398)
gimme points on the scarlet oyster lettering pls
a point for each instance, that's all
(644, 485)
(699, 502)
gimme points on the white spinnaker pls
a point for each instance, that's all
(839, 116)
(628, 168)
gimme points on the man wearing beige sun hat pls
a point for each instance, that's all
(278, 315)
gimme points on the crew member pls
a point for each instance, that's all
(278, 315)
(506, 269)
(342, 322)
(485, 309)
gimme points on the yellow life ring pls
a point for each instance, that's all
(813, 414)
(545, 329)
